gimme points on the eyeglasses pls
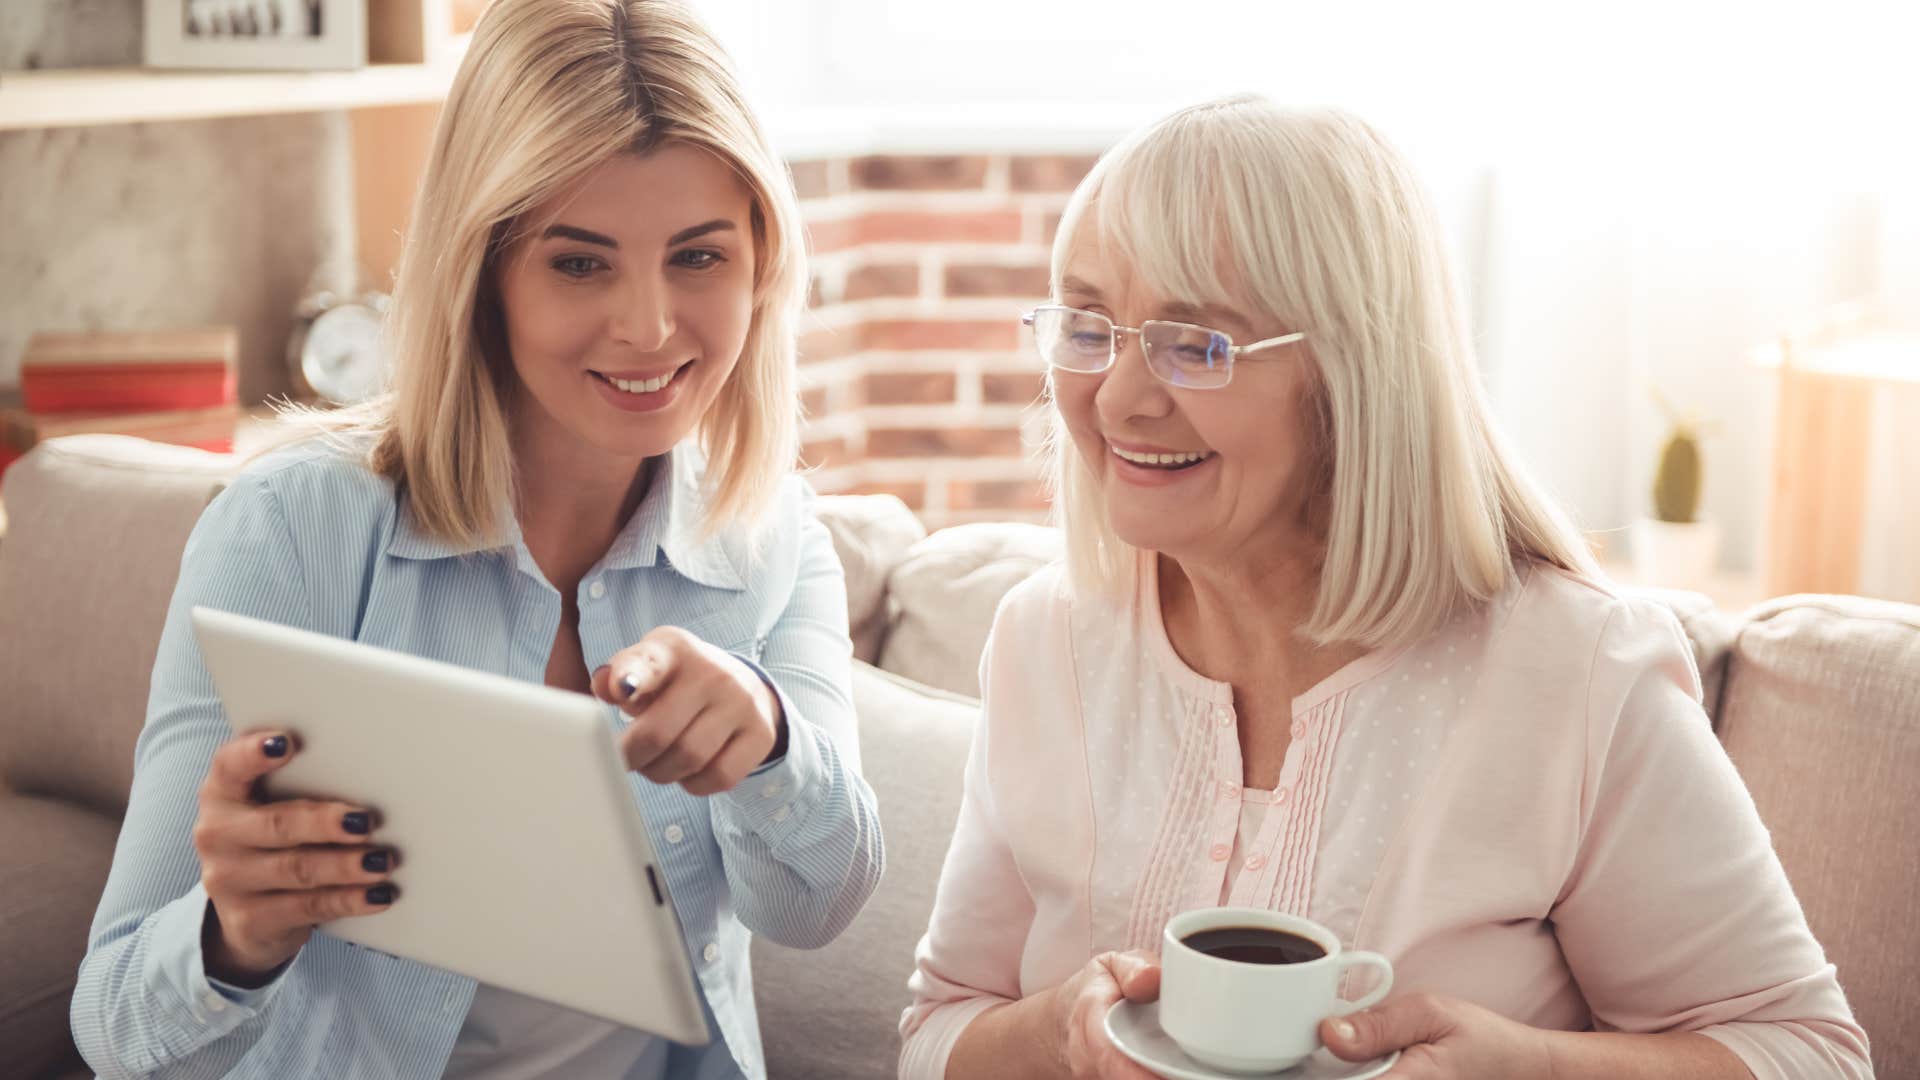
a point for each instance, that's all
(1179, 354)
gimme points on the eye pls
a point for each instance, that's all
(698, 258)
(577, 266)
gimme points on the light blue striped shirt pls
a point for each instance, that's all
(308, 537)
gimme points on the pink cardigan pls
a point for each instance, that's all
(1527, 810)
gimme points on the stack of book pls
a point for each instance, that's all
(174, 386)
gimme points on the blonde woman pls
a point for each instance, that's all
(582, 477)
(1320, 646)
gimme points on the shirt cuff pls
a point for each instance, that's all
(776, 798)
(175, 961)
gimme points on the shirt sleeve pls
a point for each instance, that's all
(143, 1004)
(1678, 915)
(969, 960)
(800, 838)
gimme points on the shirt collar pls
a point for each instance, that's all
(667, 522)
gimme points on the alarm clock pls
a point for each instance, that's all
(338, 349)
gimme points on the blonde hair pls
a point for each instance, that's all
(1326, 229)
(548, 91)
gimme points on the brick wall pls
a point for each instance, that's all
(917, 377)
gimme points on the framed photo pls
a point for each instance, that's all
(259, 34)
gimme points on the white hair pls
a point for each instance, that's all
(1326, 230)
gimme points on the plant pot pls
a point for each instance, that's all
(1674, 554)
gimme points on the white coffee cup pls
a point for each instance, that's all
(1250, 1017)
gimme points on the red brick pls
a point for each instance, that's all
(813, 401)
(882, 279)
(905, 173)
(994, 335)
(831, 344)
(810, 179)
(828, 451)
(943, 442)
(1022, 281)
(816, 297)
(1050, 172)
(1050, 225)
(910, 388)
(837, 234)
(1012, 387)
(997, 495)
(911, 492)
(932, 227)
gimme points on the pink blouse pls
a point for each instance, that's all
(1527, 810)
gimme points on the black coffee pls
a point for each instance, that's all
(1254, 945)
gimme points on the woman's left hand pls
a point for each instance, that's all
(701, 718)
(1440, 1038)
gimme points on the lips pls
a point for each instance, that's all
(632, 382)
(1167, 460)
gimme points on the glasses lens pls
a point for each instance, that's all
(1073, 339)
(1187, 355)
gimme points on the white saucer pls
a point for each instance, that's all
(1135, 1030)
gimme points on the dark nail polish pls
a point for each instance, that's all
(380, 894)
(628, 685)
(374, 862)
(274, 746)
(357, 822)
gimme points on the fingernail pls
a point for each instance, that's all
(374, 862)
(357, 822)
(1343, 1030)
(380, 894)
(629, 684)
(274, 746)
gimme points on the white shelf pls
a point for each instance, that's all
(79, 97)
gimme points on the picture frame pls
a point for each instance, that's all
(256, 34)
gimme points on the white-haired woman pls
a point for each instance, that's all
(583, 478)
(1320, 646)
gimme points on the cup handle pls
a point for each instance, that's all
(1351, 960)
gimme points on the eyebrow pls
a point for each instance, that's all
(1075, 285)
(1177, 311)
(587, 236)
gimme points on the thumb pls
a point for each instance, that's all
(1399, 1023)
(1137, 974)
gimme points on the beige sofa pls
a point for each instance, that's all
(1817, 699)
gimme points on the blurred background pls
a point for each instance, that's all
(1691, 220)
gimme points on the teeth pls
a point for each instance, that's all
(1160, 459)
(647, 386)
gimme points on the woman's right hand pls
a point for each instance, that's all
(274, 870)
(1081, 1004)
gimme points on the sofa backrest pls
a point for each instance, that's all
(1822, 716)
(95, 528)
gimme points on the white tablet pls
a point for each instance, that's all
(524, 862)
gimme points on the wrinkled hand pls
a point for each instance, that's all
(1440, 1038)
(702, 718)
(1081, 1005)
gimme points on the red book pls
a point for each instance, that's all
(145, 371)
(207, 429)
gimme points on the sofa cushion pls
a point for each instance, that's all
(944, 593)
(833, 1013)
(96, 525)
(53, 864)
(871, 533)
(1822, 716)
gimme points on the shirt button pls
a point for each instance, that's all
(1280, 794)
(1255, 862)
(711, 952)
(1229, 789)
(772, 789)
(1223, 715)
(597, 590)
(782, 813)
(1299, 730)
(674, 834)
(448, 1003)
(212, 1000)
(1220, 852)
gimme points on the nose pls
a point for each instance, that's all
(643, 316)
(1129, 390)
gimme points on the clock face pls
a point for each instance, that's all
(344, 357)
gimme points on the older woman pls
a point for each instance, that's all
(1321, 646)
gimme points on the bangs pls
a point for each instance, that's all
(1217, 244)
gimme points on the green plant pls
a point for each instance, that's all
(1676, 483)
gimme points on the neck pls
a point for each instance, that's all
(572, 500)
